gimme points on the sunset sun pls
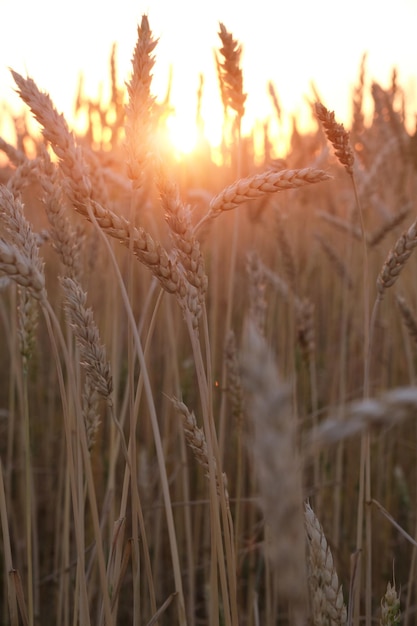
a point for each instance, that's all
(182, 133)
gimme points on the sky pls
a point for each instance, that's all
(289, 43)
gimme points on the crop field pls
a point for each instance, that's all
(208, 399)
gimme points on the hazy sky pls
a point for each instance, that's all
(290, 43)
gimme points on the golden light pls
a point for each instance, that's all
(182, 134)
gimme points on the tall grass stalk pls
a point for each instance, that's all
(155, 427)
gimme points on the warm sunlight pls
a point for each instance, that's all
(293, 58)
(208, 252)
(188, 74)
(182, 134)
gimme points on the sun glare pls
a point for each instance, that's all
(182, 134)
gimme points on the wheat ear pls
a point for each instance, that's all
(78, 186)
(390, 607)
(178, 217)
(196, 441)
(397, 258)
(93, 354)
(259, 185)
(20, 268)
(16, 156)
(337, 135)
(326, 594)
(358, 122)
(390, 408)
(230, 73)
(18, 229)
(141, 104)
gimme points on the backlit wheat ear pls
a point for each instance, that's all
(326, 596)
(73, 166)
(141, 104)
(358, 91)
(16, 156)
(56, 132)
(178, 217)
(275, 102)
(230, 73)
(24, 175)
(338, 137)
(262, 184)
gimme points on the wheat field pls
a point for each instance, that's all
(208, 392)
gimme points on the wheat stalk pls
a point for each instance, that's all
(286, 252)
(392, 222)
(336, 262)
(341, 224)
(275, 102)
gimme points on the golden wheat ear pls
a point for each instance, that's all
(337, 135)
(230, 73)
